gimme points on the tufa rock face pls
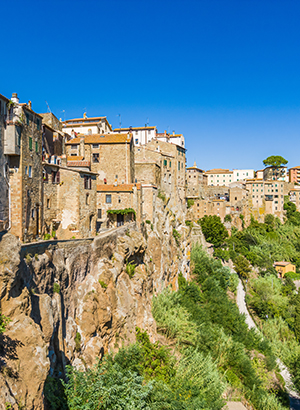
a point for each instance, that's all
(72, 304)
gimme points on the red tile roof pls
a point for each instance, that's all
(78, 164)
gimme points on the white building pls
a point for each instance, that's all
(86, 126)
(219, 177)
(141, 135)
(242, 174)
(177, 139)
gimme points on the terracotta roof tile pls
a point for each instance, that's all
(282, 263)
(74, 158)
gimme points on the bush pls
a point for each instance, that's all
(77, 342)
(242, 266)
(148, 222)
(292, 275)
(190, 203)
(228, 218)
(213, 229)
(176, 236)
(103, 284)
(130, 269)
(56, 288)
(47, 236)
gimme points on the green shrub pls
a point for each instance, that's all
(190, 203)
(47, 236)
(292, 275)
(213, 229)
(189, 224)
(228, 218)
(28, 258)
(161, 195)
(148, 222)
(53, 234)
(77, 340)
(103, 284)
(36, 257)
(56, 288)
(130, 269)
(176, 236)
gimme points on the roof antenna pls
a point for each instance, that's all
(64, 115)
(147, 122)
(120, 120)
(48, 107)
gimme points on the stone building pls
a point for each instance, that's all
(52, 121)
(171, 159)
(266, 197)
(202, 207)
(86, 126)
(276, 174)
(70, 200)
(111, 156)
(23, 146)
(118, 198)
(141, 135)
(294, 174)
(196, 181)
(219, 176)
(294, 197)
(4, 171)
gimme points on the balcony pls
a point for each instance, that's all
(12, 140)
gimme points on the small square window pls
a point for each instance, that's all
(108, 198)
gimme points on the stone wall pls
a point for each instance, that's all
(148, 173)
(4, 177)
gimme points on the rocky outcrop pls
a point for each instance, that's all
(73, 303)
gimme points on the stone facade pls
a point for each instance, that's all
(52, 121)
(24, 145)
(117, 197)
(266, 197)
(276, 174)
(171, 159)
(111, 156)
(4, 174)
(70, 201)
(196, 181)
(148, 173)
(209, 207)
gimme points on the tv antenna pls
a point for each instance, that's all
(48, 107)
(64, 115)
(120, 120)
(147, 123)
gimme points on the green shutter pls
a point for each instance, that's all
(30, 143)
(36, 146)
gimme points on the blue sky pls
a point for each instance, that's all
(225, 73)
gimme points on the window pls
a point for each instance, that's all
(165, 162)
(25, 170)
(32, 213)
(36, 146)
(27, 118)
(30, 143)
(30, 171)
(55, 177)
(178, 166)
(38, 124)
(108, 198)
(48, 203)
(99, 213)
(95, 145)
(237, 174)
(95, 157)
(136, 141)
(170, 164)
(87, 182)
(87, 199)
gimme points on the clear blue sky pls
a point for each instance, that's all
(225, 73)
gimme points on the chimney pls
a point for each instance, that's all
(29, 104)
(165, 133)
(15, 98)
(173, 132)
(81, 147)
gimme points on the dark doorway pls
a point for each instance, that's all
(120, 220)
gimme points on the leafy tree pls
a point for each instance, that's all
(274, 161)
(269, 220)
(228, 218)
(297, 317)
(213, 229)
(242, 266)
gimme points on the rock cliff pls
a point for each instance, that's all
(73, 302)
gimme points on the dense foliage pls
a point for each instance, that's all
(200, 317)
(213, 229)
(275, 161)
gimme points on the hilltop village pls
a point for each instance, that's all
(76, 178)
